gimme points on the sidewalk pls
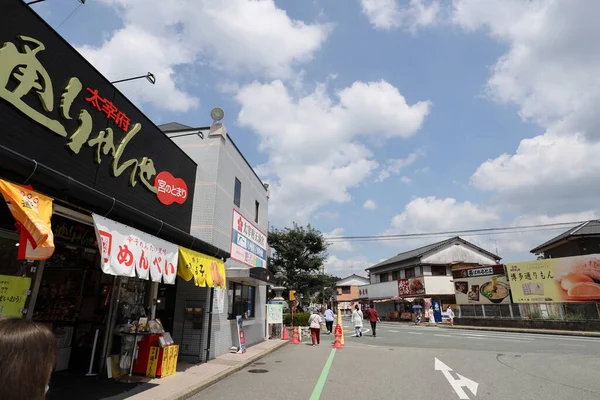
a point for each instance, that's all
(525, 330)
(445, 325)
(191, 378)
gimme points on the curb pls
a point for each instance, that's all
(525, 330)
(191, 391)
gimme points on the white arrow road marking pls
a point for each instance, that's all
(457, 384)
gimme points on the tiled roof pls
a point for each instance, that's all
(421, 251)
(585, 229)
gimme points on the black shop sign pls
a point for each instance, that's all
(58, 110)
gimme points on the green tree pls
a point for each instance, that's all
(300, 254)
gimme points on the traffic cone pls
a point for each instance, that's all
(337, 344)
(340, 325)
(295, 337)
(284, 334)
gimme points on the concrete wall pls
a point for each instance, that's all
(219, 164)
(347, 297)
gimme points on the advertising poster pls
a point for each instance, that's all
(274, 313)
(219, 301)
(481, 285)
(437, 311)
(568, 279)
(13, 295)
(205, 270)
(248, 243)
(241, 338)
(411, 286)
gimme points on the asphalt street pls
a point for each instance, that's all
(420, 362)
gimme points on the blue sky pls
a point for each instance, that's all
(375, 116)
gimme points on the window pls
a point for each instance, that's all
(241, 300)
(345, 289)
(409, 273)
(438, 270)
(395, 275)
(237, 192)
(256, 209)
(384, 277)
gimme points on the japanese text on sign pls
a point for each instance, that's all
(107, 107)
(481, 271)
(25, 68)
(13, 295)
(248, 244)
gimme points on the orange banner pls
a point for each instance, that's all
(32, 211)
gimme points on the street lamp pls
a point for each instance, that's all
(148, 76)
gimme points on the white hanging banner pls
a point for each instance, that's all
(129, 252)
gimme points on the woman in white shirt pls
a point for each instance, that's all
(357, 321)
(315, 322)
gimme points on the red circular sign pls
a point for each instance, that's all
(170, 189)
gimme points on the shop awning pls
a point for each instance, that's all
(206, 271)
(127, 251)
(262, 274)
(20, 168)
(249, 277)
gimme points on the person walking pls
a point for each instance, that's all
(329, 319)
(450, 314)
(431, 316)
(28, 351)
(373, 318)
(357, 321)
(315, 322)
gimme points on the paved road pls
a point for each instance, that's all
(401, 363)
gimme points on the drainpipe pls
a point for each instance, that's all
(210, 313)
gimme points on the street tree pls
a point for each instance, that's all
(299, 253)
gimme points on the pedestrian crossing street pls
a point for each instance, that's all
(386, 330)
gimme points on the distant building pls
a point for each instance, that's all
(412, 277)
(580, 240)
(347, 291)
(230, 211)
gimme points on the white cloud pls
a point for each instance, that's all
(551, 172)
(406, 179)
(395, 165)
(406, 14)
(345, 267)
(234, 36)
(315, 144)
(370, 205)
(550, 73)
(337, 245)
(430, 214)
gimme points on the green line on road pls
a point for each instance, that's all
(316, 394)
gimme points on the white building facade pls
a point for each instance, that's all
(231, 212)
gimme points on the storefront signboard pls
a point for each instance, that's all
(241, 337)
(32, 212)
(411, 286)
(205, 270)
(248, 243)
(481, 285)
(568, 279)
(13, 295)
(274, 313)
(57, 109)
(129, 252)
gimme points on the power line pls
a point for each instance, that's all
(465, 232)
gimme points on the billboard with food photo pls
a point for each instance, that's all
(557, 280)
(411, 286)
(481, 285)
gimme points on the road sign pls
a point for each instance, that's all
(457, 384)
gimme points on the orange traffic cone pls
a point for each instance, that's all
(337, 344)
(295, 337)
(284, 335)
